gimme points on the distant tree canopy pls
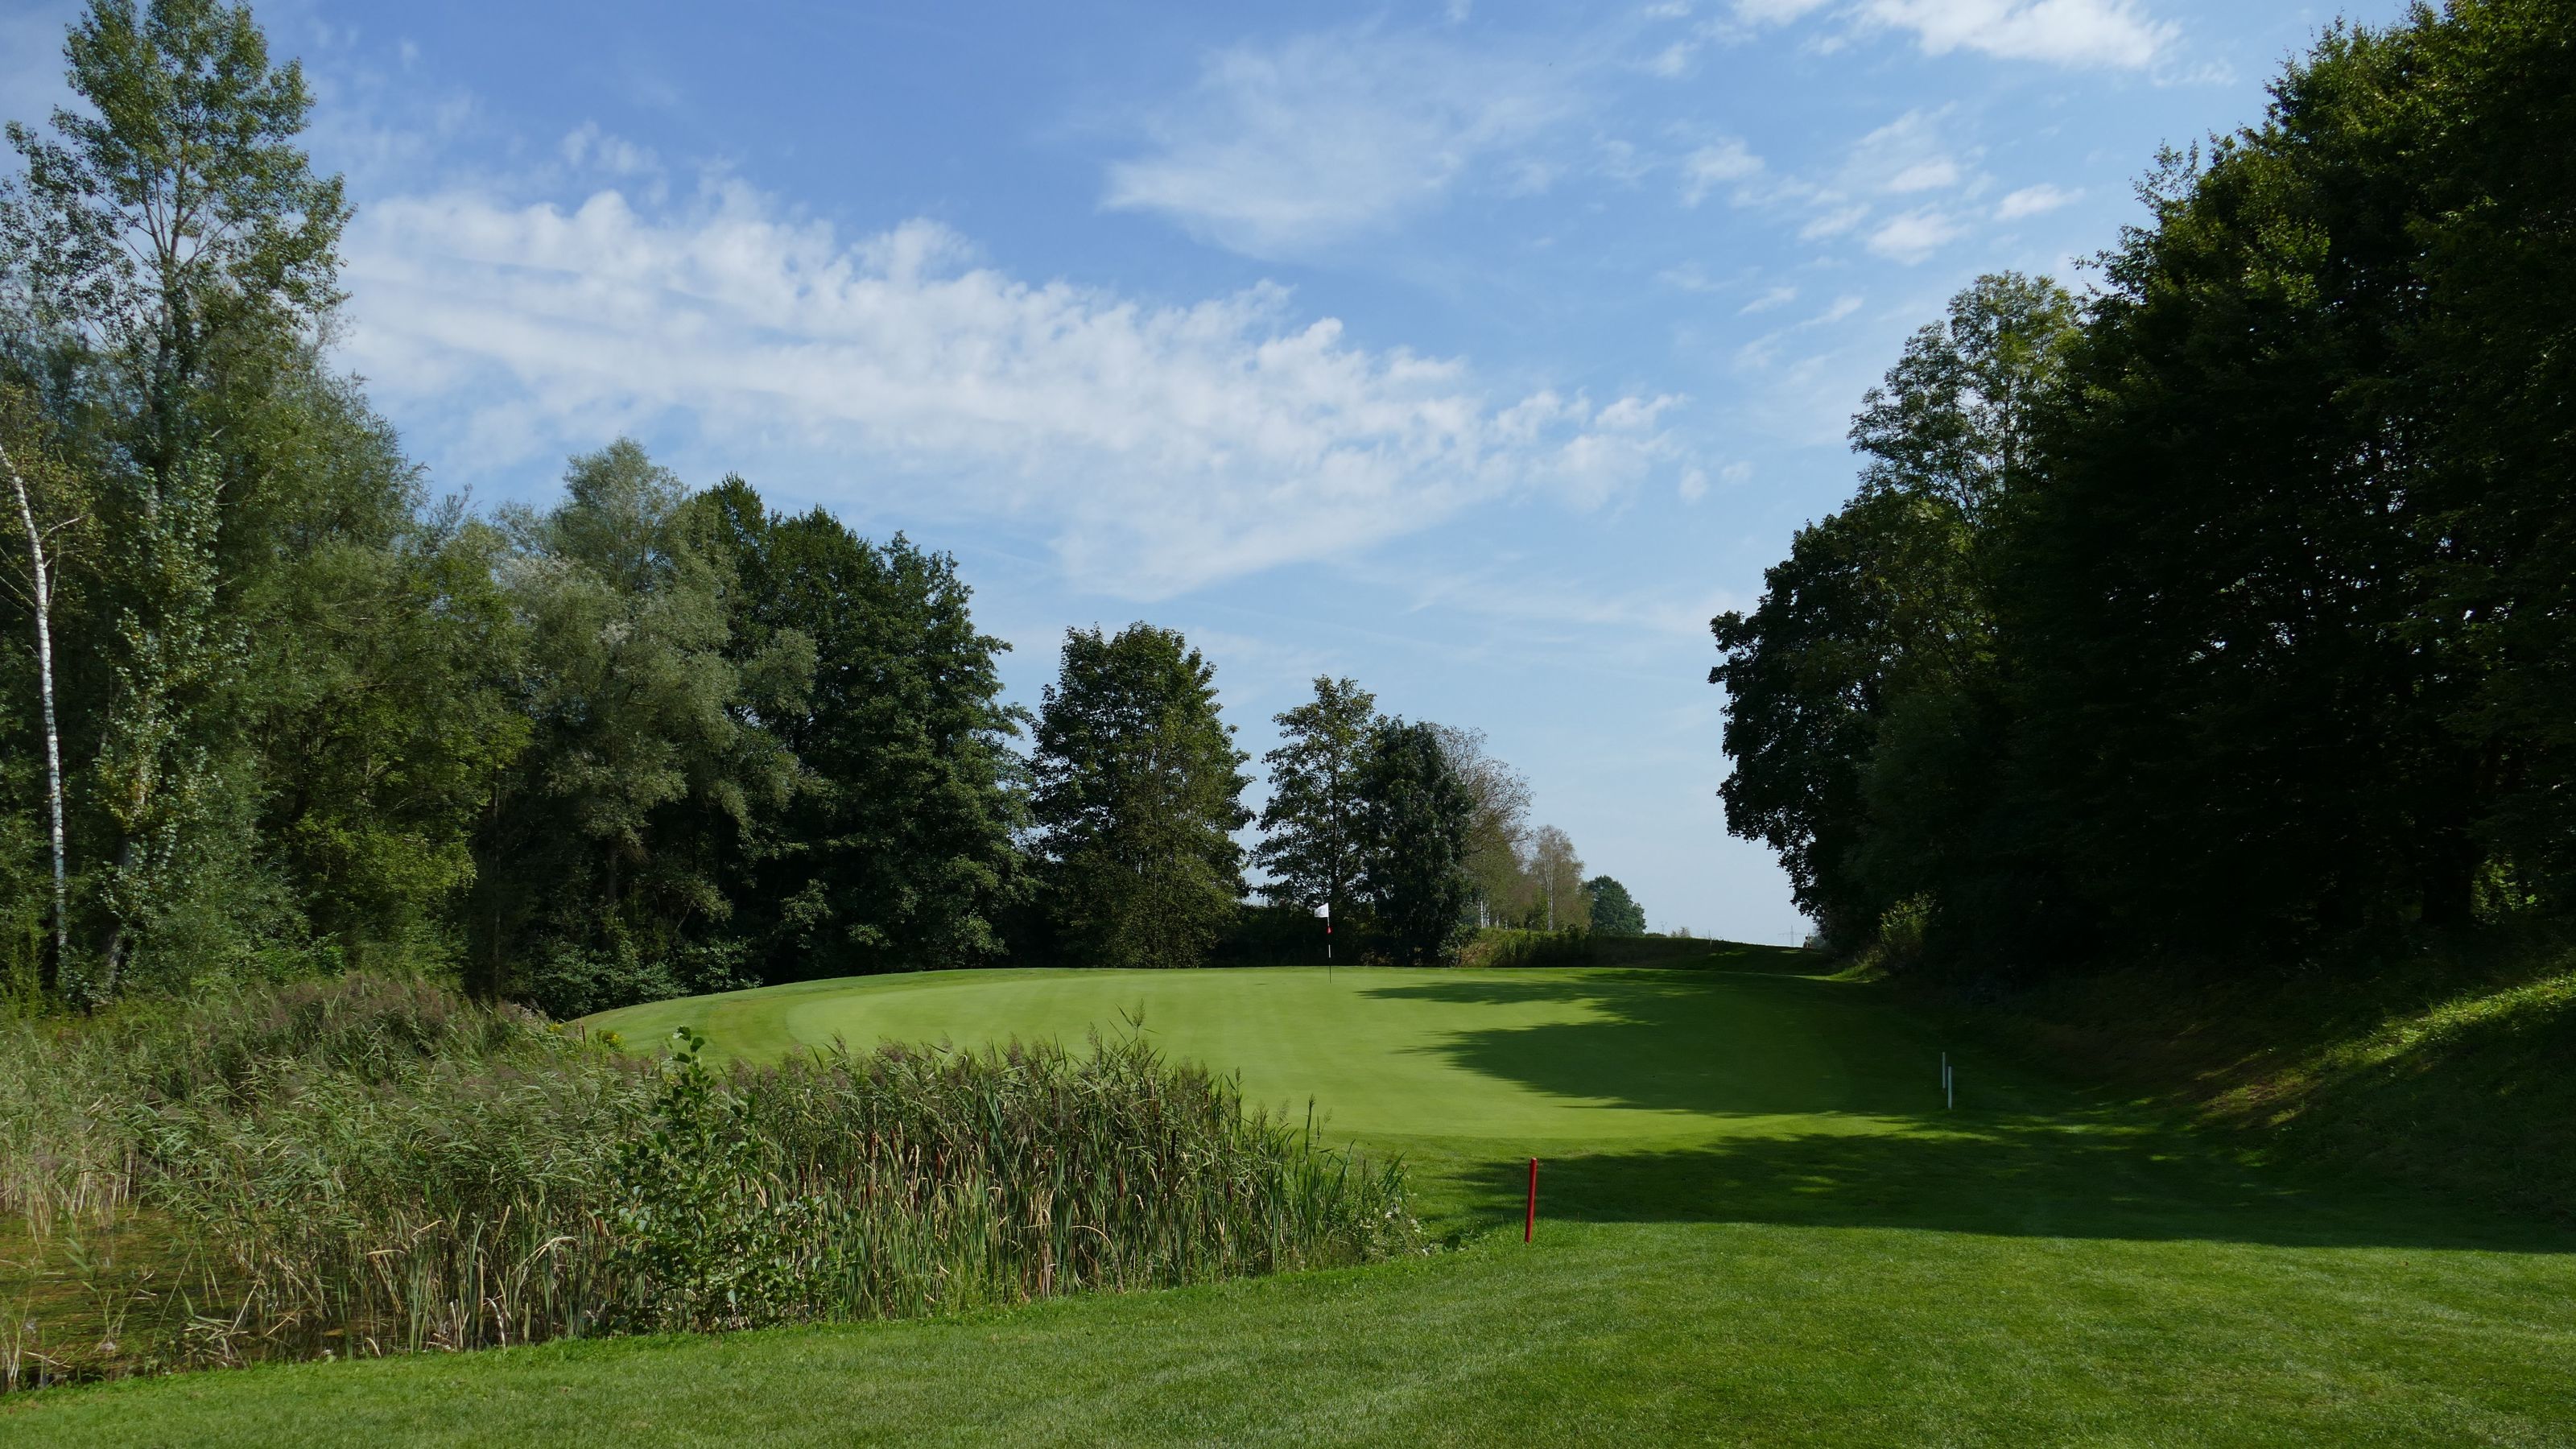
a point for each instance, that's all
(2234, 605)
(1556, 874)
(1137, 797)
(1311, 847)
(1498, 830)
(267, 707)
(899, 847)
(1614, 911)
(1416, 819)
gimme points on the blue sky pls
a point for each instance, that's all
(1480, 352)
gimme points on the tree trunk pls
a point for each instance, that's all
(43, 600)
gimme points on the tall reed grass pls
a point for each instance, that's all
(368, 1166)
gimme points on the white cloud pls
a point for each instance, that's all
(1832, 223)
(2078, 33)
(1909, 154)
(1915, 235)
(1689, 277)
(1634, 414)
(1704, 169)
(2114, 33)
(1333, 136)
(1780, 296)
(1775, 12)
(1162, 447)
(1694, 484)
(1525, 592)
(589, 146)
(2034, 201)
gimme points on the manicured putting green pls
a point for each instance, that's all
(1597, 1057)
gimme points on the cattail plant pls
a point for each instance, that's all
(368, 1166)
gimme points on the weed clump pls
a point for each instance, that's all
(370, 1166)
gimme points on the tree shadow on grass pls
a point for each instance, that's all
(2008, 1179)
(2019, 1156)
(1706, 1042)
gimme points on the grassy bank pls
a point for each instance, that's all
(2453, 1072)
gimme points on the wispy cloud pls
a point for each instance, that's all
(2115, 34)
(1161, 447)
(1278, 150)
(1708, 167)
(1694, 481)
(2034, 201)
(2082, 33)
(587, 146)
(1913, 153)
(1915, 235)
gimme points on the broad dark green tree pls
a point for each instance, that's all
(898, 851)
(1890, 601)
(1137, 796)
(1614, 911)
(2295, 597)
(1310, 824)
(1416, 816)
(647, 774)
(2256, 635)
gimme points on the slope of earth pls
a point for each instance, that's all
(1759, 1224)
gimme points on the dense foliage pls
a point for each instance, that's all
(267, 708)
(366, 1166)
(899, 846)
(1312, 846)
(1415, 813)
(1613, 911)
(1412, 834)
(1137, 795)
(2236, 603)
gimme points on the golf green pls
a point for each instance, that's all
(1738, 1087)
(1556, 1057)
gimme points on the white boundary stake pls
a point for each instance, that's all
(1949, 1084)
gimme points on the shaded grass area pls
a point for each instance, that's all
(2452, 1072)
(1758, 1225)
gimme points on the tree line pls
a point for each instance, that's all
(269, 707)
(2231, 603)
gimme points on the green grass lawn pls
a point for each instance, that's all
(1759, 1225)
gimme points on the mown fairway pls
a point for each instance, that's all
(1758, 1225)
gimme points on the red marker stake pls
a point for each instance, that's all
(1529, 1228)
